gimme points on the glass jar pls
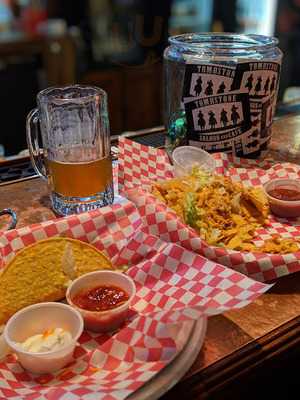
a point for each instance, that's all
(204, 67)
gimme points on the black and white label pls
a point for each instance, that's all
(207, 80)
(218, 119)
(230, 108)
(259, 79)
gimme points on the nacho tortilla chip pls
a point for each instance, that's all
(41, 272)
(223, 212)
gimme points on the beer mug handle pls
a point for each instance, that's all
(32, 134)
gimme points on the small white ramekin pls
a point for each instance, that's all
(102, 321)
(186, 157)
(283, 208)
(37, 319)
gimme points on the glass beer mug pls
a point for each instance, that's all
(76, 159)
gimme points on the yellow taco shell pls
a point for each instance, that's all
(42, 271)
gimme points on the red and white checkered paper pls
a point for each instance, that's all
(137, 166)
(173, 286)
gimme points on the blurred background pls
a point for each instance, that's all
(118, 45)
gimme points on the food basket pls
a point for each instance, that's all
(140, 166)
(174, 287)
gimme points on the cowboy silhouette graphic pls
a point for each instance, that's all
(258, 85)
(267, 84)
(198, 86)
(272, 87)
(222, 88)
(255, 143)
(224, 119)
(201, 120)
(234, 115)
(249, 83)
(254, 134)
(212, 120)
(209, 88)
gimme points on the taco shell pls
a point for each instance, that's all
(42, 271)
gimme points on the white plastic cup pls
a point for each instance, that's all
(186, 157)
(102, 321)
(36, 319)
(283, 208)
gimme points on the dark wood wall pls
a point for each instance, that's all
(134, 95)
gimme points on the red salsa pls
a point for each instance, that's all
(100, 298)
(281, 193)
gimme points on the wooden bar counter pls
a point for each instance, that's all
(248, 353)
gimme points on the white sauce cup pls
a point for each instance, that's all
(102, 321)
(186, 157)
(37, 319)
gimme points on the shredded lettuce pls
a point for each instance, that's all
(192, 213)
(202, 176)
(190, 210)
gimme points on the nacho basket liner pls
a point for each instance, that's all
(140, 165)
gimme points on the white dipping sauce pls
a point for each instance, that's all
(50, 340)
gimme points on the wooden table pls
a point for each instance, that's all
(245, 351)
